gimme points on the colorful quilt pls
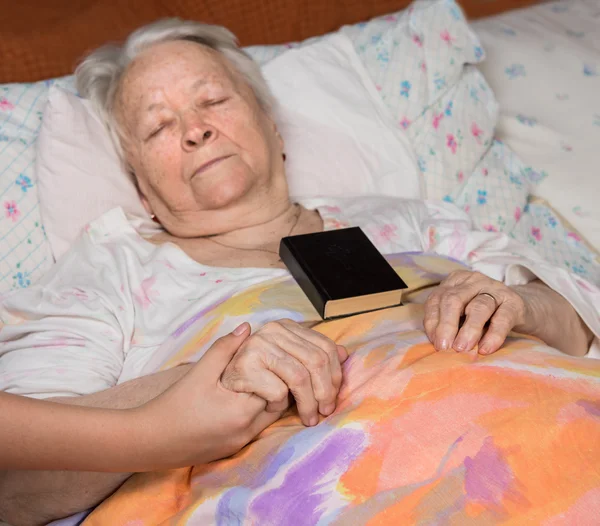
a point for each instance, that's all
(418, 437)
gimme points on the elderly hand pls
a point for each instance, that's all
(283, 357)
(481, 300)
(533, 309)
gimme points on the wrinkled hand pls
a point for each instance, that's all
(461, 293)
(282, 358)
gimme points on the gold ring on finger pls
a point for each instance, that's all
(490, 296)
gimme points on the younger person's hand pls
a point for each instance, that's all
(198, 420)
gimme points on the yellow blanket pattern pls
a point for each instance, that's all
(418, 437)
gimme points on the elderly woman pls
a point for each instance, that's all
(195, 125)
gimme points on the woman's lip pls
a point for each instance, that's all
(210, 164)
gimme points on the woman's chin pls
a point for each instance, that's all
(221, 191)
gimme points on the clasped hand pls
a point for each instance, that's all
(239, 387)
(284, 358)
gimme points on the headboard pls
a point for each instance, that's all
(45, 38)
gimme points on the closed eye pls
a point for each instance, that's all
(217, 102)
(156, 131)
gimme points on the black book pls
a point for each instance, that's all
(341, 272)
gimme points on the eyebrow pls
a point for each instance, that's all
(155, 106)
(158, 105)
(199, 83)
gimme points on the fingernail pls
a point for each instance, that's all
(328, 409)
(314, 420)
(460, 346)
(240, 329)
(442, 345)
(484, 350)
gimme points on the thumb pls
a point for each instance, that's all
(220, 353)
(342, 353)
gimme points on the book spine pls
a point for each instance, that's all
(302, 276)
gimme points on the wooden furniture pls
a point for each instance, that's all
(46, 38)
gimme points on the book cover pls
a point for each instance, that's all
(341, 272)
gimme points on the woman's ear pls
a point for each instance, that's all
(143, 199)
(146, 204)
(148, 208)
(279, 138)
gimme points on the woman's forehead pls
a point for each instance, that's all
(169, 63)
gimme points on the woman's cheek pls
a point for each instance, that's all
(163, 161)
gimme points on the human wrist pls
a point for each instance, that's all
(160, 430)
(152, 438)
(551, 318)
(532, 307)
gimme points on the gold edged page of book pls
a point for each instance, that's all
(419, 294)
(358, 304)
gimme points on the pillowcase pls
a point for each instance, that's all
(78, 171)
(544, 66)
(423, 64)
(338, 142)
(341, 142)
(25, 253)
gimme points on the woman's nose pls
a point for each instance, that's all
(197, 135)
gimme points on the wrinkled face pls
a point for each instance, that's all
(206, 157)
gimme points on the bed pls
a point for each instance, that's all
(538, 132)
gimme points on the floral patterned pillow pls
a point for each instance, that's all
(423, 64)
(25, 255)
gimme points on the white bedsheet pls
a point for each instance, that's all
(543, 64)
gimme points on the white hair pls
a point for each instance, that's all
(99, 76)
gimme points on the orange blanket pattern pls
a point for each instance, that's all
(418, 437)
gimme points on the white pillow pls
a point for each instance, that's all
(79, 174)
(339, 141)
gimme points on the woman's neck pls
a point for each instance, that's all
(283, 224)
(255, 246)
